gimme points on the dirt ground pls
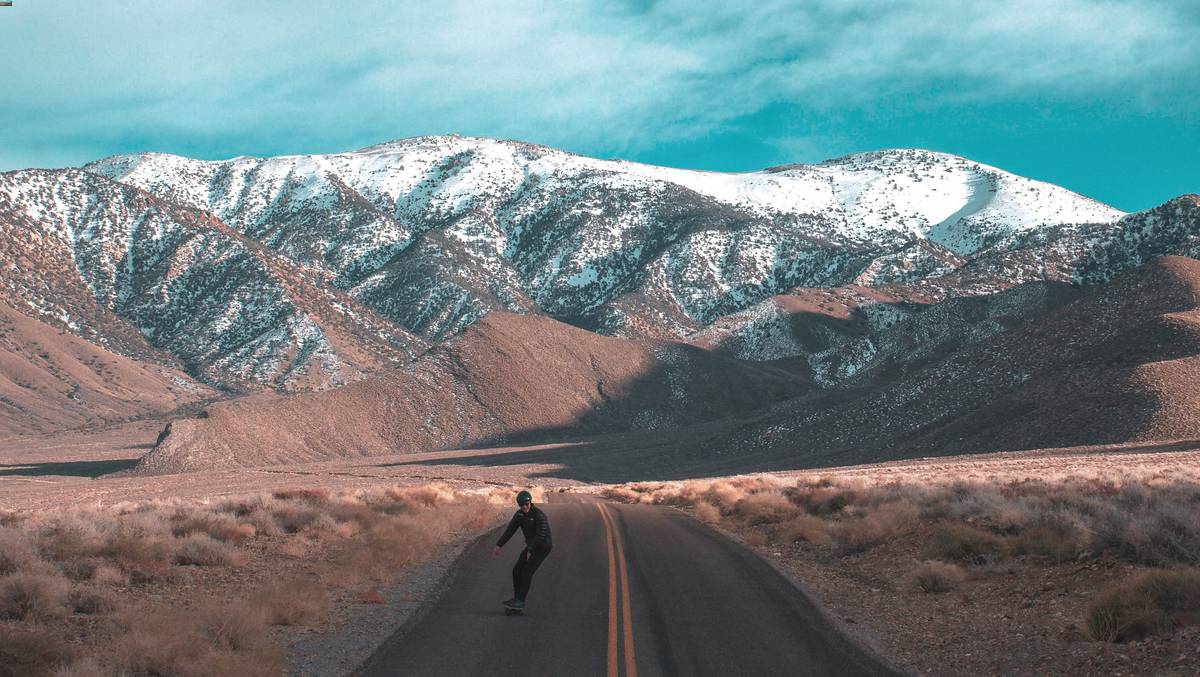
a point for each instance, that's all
(1019, 616)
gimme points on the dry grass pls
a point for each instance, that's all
(1150, 603)
(25, 652)
(40, 597)
(855, 535)
(221, 526)
(84, 667)
(93, 600)
(966, 544)
(935, 576)
(805, 528)
(292, 602)
(227, 639)
(1141, 519)
(966, 528)
(124, 557)
(205, 551)
(707, 512)
(16, 552)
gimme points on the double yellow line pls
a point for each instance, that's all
(610, 530)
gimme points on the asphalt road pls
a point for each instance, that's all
(628, 590)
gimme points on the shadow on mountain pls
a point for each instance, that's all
(73, 468)
(508, 377)
(1114, 366)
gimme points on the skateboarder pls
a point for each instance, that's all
(533, 523)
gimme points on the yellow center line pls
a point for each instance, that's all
(626, 612)
(612, 598)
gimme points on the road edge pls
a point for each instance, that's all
(452, 559)
(859, 641)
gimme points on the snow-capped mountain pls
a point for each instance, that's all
(435, 231)
(168, 284)
(302, 272)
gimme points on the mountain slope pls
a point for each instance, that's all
(1118, 364)
(507, 378)
(51, 380)
(616, 246)
(167, 284)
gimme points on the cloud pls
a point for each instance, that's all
(222, 77)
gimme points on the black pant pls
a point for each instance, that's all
(523, 571)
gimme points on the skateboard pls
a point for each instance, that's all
(512, 611)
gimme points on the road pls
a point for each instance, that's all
(628, 590)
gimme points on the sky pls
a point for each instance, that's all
(1099, 96)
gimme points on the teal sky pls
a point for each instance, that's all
(1102, 97)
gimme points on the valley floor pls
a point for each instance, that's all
(1016, 534)
(1037, 563)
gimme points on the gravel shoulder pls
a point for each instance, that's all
(359, 623)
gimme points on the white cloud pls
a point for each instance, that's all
(316, 75)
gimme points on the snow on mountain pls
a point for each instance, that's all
(435, 231)
(168, 284)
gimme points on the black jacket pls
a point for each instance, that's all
(534, 525)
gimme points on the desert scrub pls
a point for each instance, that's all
(34, 650)
(1149, 603)
(208, 640)
(292, 602)
(935, 576)
(1151, 518)
(89, 578)
(203, 550)
(33, 597)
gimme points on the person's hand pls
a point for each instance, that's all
(528, 555)
(495, 551)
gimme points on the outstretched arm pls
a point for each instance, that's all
(513, 525)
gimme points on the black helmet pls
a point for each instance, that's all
(524, 497)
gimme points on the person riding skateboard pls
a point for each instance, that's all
(536, 527)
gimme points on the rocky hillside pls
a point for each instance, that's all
(174, 286)
(435, 231)
(507, 378)
(303, 273)
(1116, 364)
(51, 380)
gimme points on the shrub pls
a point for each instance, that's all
(1147, 604)
(138, 539)
(292, 602)
(106, 574)
(84, 667)
(935, 576)
(389, 546)
(315, 497)
(756, 538)
(805, 528)
(16, 552)
(822, 498)
(219, 526)
(261, 521)
(33, 596)
(90, 600)
(408, 499)
(854, 535)
(228, 639)
(1059, 540)
(765, 508)
(241, 506)
(25, 652)
(357, 513)
(69, 537)
(707, 512)
(293, 519)
(203, 550)
(965, 544)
